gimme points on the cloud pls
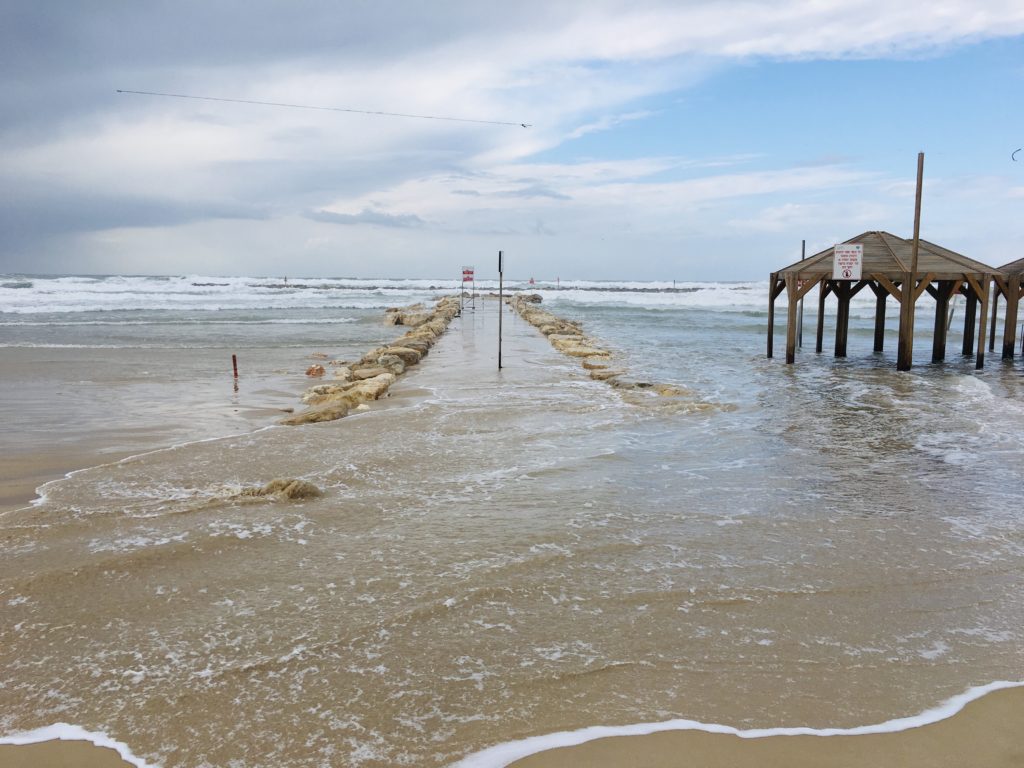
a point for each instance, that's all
(95, 160)
(535, 190)
(367, 216)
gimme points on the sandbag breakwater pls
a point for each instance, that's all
(369, 378)
(567, 337)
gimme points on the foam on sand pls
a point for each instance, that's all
(64, 732)
(505, 754)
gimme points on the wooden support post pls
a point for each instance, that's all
(992, 326)
(880, 297)
(986, 287)
(970, 313)
(823, 291)
(905, 356)
(791, 319)
(771, 314)
(842, 291)
(1010, 324)
(905, 352)
(941, 309)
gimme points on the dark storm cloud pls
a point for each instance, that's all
(28, 218)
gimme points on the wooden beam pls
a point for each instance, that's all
(824, 291)
(886, 283)
(778, 286)
(771, 314)
(970, 318)
(843, 294)
(1002, 285)
(980, 362)
(923, 284)
(1013, 295)
(992, 326)
(905, 350)
(942, 294)
(880, 296)
(791, 319)
(905, 355)
(808, 284)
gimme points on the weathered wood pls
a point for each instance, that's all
(905, 350)
(1013, 294)
(970, 312)
(825, 290)
(843, 293)
(986, 282)
(791, 319)
(889, 285)
(992, 326)
(923, 284)
(880, 297)
(771, 315)
(941, 294)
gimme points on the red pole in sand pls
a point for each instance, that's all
(234, 365)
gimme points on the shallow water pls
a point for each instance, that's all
(500, 555)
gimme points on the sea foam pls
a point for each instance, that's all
(68, 732)
(503, 754)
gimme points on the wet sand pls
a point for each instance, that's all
(441, 496)
(59, 754)
(985, 734)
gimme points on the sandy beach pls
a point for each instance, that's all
(499, 555)
(986, 734)
(59, 754)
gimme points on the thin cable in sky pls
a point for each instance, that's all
(325, 109)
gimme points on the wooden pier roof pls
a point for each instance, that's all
(890, 256)
(1013, 268)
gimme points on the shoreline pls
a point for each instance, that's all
(979, 727)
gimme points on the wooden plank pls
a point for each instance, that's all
(890, 286)
(771, 314)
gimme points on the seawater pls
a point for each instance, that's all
(499, 555)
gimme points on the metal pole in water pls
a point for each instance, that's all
(234, 365)
(501, 301)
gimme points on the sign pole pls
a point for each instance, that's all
(905, 357)
(501, 300)
(800, 319)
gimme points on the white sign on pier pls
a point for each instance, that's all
(847, 261)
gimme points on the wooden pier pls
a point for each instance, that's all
(1010, 285)
(887, 270)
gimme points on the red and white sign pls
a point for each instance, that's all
(467, 274)
(847, 261)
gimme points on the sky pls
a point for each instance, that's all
(687, 140)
